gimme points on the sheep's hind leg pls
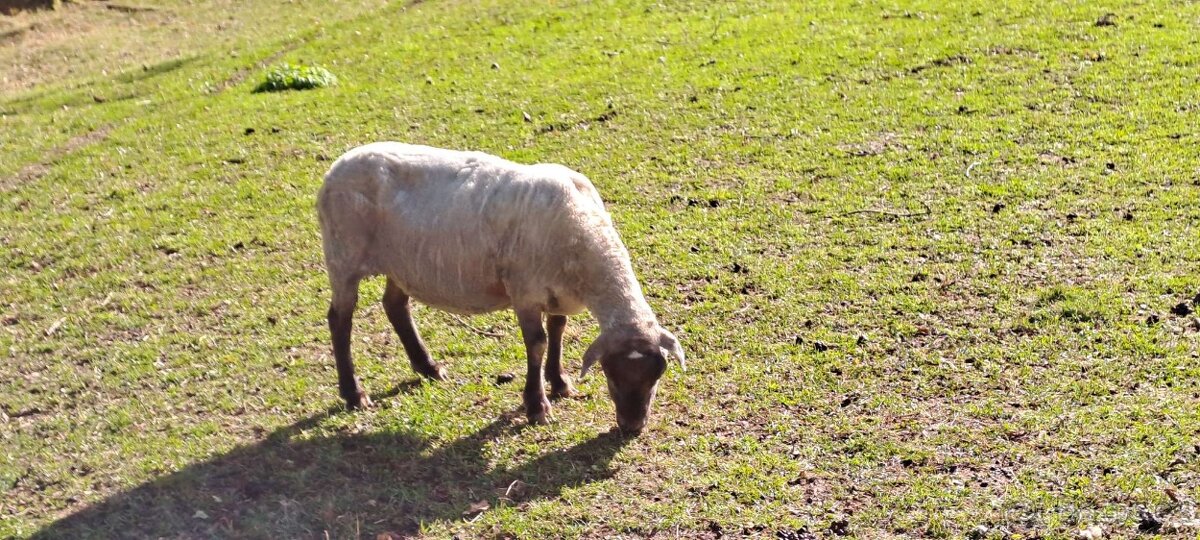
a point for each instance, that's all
(537, 407)
(560, 384)
(395, 304)
(341, 324)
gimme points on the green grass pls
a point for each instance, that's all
(990, 344)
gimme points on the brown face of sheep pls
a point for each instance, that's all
(634, 358)
(632, 380)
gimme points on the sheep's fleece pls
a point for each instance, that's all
(469, 232)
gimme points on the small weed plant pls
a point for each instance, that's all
(289, 77)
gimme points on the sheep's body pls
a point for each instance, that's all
(469, 232)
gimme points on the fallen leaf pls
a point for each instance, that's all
(54, 327)
(476, 508)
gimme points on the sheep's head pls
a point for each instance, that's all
(634, 358)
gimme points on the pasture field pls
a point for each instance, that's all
(936, 266)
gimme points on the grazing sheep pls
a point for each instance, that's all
(469, 232)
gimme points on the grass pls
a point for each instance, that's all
(989, 349)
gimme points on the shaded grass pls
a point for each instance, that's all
(990, 363)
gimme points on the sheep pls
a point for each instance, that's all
(470, 233)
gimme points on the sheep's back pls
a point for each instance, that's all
(466, 231)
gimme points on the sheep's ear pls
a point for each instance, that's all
(671, 347)
(592, 355)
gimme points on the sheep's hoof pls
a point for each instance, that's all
(563, 392)
(539, 415)
(432, 372)
(359, 402)
(539, 419)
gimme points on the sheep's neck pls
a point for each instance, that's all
(616, 308)
(615, 297)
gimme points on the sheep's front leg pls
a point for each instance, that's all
(537, 407)
(560, 384)
(395, 304)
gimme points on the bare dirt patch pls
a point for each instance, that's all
(35, 171)
(77, 39)
(874, 147)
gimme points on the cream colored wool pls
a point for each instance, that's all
(469, 232)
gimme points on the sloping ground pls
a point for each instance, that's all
(86, 39)
(13, 7)
(935, 268)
